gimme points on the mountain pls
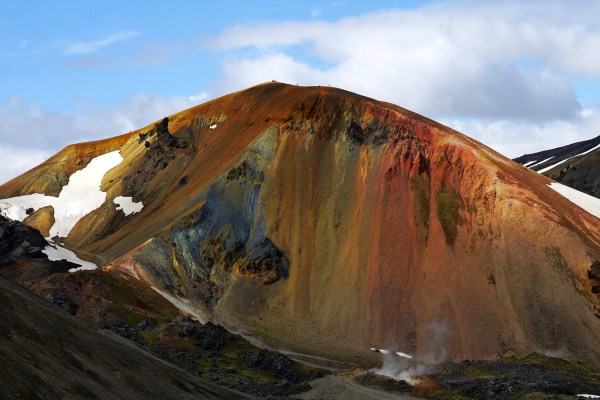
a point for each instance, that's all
(328, 223)
(576, 165)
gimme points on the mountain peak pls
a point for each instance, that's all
(331, 222)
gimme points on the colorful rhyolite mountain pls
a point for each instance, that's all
(329, 223)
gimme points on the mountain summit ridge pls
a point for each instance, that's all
(329, 223)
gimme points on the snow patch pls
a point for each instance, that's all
(56, 253)
(541, 171)
(78, 198)
(183, 305)
(82, 194)
(15, 207)
(567, 159)
(127, 205)
(386, 351)
(401, 354)
(399, 366)
(589, 203)
(213, 126)
(543, 161)
(589, 396)
(528, 163)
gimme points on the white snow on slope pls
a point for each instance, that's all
(589, 396)
(386, 351)
(82, 194)
(14, 208)
(78, 198)
(589, 203)
(567, 159)
(541, 171)
(128, 205)
(55, 253)
(528, 163)
(543, 161)
(401, 354)
(213, 126)
(183, 305)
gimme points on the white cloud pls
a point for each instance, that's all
(30, 134)
(497, 71)
(443, 60)
(82, 48)
(15, 161)
(277, 66)
(514, 138)
(138, 111)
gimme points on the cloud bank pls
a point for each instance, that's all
(30, 134)
(499, 72)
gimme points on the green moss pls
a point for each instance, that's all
(420, 184)
(132, 303)
(150, 336)
(532, 376)
(580, 368)
(449, 205)
(214, 352)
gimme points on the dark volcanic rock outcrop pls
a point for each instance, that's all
(524, 377)
(18, 241)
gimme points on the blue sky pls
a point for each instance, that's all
(56, 53)
(518, 76)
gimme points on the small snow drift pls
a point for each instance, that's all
(399, 366)
(127, 205)
(56, 253)
(213, 126)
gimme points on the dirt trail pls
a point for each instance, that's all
(342, 387)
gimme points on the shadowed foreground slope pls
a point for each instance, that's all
(46, 354)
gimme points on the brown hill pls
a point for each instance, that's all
(328, 222)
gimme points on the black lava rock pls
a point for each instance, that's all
(18, 240)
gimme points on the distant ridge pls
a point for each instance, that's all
(576, 165)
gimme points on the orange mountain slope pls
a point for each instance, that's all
(330, 223)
